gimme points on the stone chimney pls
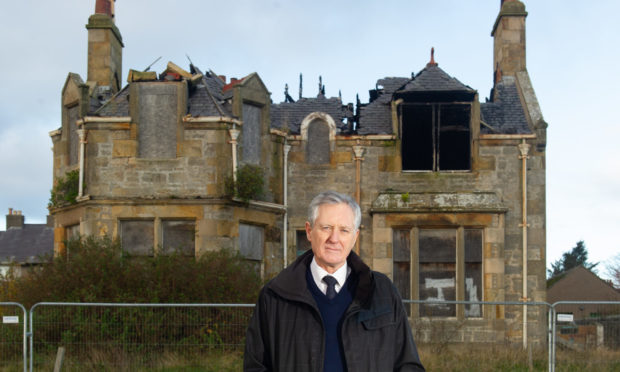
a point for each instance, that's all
(509, 39)
(105, 48)
(14, 219)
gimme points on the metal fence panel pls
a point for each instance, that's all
(488, 341)
(586, 336)
(106, 336)
(13, 349)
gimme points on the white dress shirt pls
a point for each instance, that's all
(318, 273)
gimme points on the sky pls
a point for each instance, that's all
(572, 56)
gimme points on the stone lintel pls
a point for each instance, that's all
(396, 202)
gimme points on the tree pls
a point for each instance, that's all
(613, 270)
(578, 256)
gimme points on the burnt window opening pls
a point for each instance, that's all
(436, 137)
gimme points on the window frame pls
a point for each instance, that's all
(460, 268)
(260, 263)
(436, 130)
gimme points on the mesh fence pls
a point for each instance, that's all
(131, 337)
(587, 336)
(12, 336)
(450, 335)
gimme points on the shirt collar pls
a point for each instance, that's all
(318, 273)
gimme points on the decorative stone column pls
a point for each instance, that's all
(234, 134)
(524, 149)
(82, 135)
(358, 152)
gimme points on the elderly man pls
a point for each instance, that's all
(328, 311)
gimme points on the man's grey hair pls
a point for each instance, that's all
(333, 197)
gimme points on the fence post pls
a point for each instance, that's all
(24, 333)
(551, 338)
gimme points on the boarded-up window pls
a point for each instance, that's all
(436, 137)
(303, 244)
(401, 253)
(72, 232)
(251, 134)
(317, 148)
(137, 237)
(437, 280)
(251, 241)
(179, 236)
(157, 121)
(473, 271)
(74, 139)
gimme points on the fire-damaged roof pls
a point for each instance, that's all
(28, 244)
(211, 96)
(206, 98)
(376, 116)
(505, 114)
(290, 114)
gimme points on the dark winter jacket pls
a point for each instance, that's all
(286, 331)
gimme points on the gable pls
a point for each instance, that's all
(71, 92)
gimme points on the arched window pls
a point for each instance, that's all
(318, 130)
(317, 148)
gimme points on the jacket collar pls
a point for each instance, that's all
(291, 282)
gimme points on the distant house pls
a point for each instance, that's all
(24, 245)
(581, 284)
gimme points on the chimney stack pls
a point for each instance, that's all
(509, 39)
(105, 47)
(14, 219)
(105, 7)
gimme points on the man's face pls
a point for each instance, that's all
(333, 235)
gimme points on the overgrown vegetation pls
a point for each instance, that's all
(249, 185)
(65, 190)
(613, 270)
(94, 270)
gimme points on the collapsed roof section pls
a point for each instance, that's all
(289, 115)
(210, 95)
(207, 93)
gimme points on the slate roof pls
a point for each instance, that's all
(206, 99)
(291, 114)
(27, 244)
(376, 116)
(505, 114)
(433, 78)
(118, 105)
